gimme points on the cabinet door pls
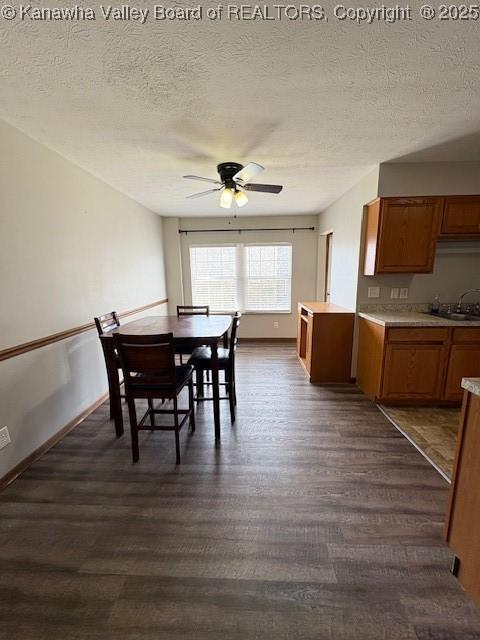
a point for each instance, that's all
(464, 362)
(461, 216)
(408, 234)
(413, 371)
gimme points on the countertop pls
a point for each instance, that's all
(472, 385)
(413, 319)
(323, 307)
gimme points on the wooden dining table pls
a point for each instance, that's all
(189, 331)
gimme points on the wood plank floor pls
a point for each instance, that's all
(314, 519)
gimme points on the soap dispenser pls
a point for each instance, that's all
(436, 304)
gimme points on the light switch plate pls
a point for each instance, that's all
(394, 293)
(373, 292)
(404, 293)
(4, 437)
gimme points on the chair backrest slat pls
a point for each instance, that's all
(107, 322)
(193, 310)
(234, 336)
(146, 360)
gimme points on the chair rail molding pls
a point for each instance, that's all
(19, 349)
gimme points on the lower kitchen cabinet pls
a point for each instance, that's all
(464, 362)
(416, 365)
(413, 371)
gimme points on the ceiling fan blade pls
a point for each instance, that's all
(248, 172)
(202, 179)
(264, 188)
(203, 193)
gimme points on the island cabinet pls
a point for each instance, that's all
(416, 365)
(461, 217)
(401, 235)
(462, 528)
(324, 341)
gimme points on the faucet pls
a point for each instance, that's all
(460, 300)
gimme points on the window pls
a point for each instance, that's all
(251, 278)
(214, 277)
(269, 278)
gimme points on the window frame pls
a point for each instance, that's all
(241, 276)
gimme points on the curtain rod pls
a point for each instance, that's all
(293, 229)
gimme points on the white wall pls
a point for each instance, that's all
(173, 263)
(429, 178)
(71, 248)
(456, 269)
(344, 219)
(304, 250)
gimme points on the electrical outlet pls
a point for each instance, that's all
(373, 292)
(394, 293)
(404, 293)
(4, 437)
(275, 325)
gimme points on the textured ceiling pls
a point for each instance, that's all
(317, 104)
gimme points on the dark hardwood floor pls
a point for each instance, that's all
(314, 519)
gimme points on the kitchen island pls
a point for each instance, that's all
(462, 529)
(324, 341)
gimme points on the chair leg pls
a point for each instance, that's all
(199, 381)
(112, 405)
(177, 434)
(231, 401)
(234, 387)
(191, 404)
(133, 429)
(152, 415)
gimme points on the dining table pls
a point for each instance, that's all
(189, 331)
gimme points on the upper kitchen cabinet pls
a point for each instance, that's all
(401, 235)
(461, 217)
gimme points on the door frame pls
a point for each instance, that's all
(328, 264)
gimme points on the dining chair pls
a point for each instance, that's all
(105, 324)
(189, 310)
(201, 359)
(193, 310)
(150, 373)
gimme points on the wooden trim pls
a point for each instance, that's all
(328, 251)
(456, 465)
(371, 213)
(19, 349)
(267, 340)
(18, 469)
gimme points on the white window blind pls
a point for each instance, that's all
(251, 278)
(214, 277)
(269, 277)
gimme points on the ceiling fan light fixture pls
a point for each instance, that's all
(226, 198)
(240, 198)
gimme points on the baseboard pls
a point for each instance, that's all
(38, 453)
(292, 340)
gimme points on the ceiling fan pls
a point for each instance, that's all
(234, 181)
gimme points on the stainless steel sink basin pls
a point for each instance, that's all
(459, 317)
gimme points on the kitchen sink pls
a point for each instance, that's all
(459, 317)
